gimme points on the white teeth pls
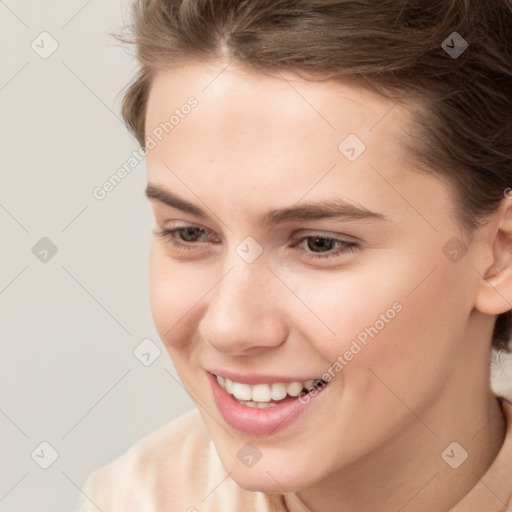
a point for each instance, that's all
(257, 405)
(294, 388)
(252, 404)
(278, 391)
(264, 405)
(242, 391)
(261, 393)
(261, 396)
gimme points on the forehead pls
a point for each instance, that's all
(244, 116)
(261, 136)
(244, 100)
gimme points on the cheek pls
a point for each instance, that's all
(404, 323)
(414, 354)
(175, 289)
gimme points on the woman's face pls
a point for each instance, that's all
(314, 251)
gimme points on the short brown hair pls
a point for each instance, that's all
(463, 132)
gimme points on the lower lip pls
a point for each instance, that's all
(258, 422)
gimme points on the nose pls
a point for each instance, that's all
(244, 312)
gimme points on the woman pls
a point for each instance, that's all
(331, 263)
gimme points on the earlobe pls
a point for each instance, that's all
(495, 291)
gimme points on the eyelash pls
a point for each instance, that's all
(347, 247)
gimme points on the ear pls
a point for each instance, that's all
(494, 294)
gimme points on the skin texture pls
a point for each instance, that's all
(254, 143)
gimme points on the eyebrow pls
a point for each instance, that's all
(332, 208)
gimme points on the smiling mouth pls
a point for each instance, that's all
(265, 396)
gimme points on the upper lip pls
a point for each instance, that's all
(258, 379)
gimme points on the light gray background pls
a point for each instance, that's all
(69, 325)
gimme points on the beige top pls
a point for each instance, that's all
(176, 469)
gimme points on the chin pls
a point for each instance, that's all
(258, 482)
(271, 478)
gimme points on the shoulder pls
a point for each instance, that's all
(175, 468)
(155, 466)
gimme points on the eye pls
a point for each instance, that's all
(317, 247)
(184, 237)
(321, 247)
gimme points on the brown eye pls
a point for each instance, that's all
(318, 247)
(184, 237)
